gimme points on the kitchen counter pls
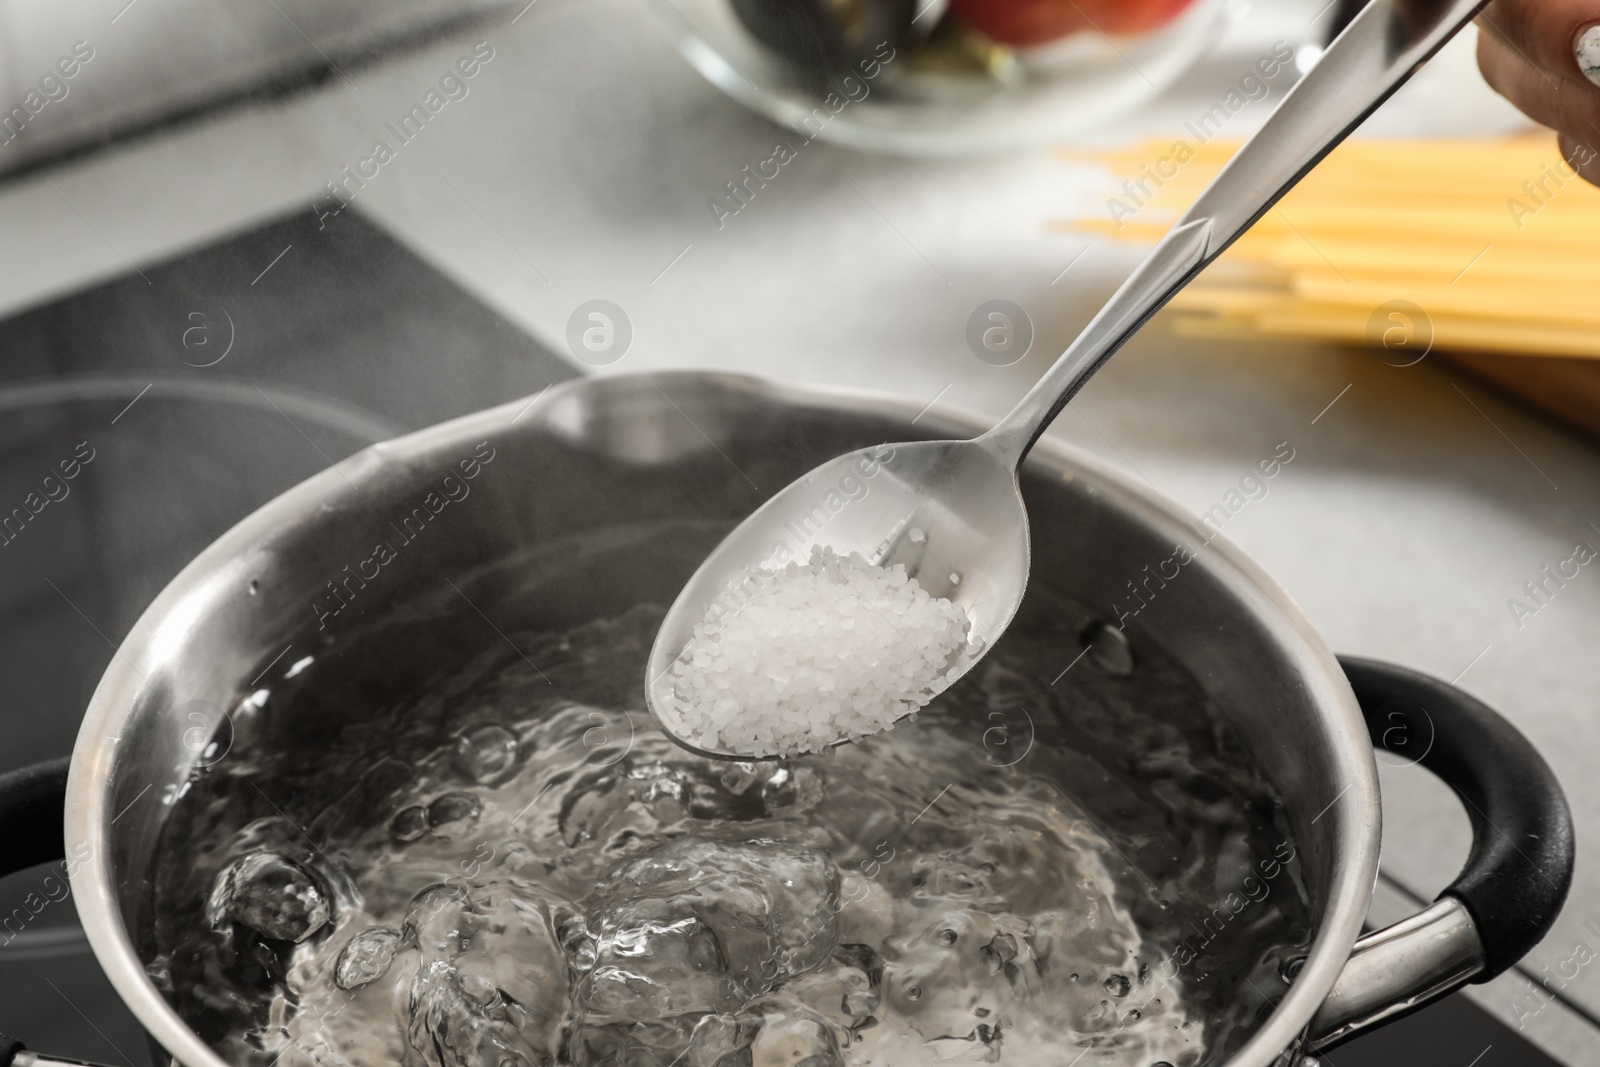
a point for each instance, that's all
(579, 166)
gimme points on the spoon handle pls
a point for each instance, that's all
(1382, 47)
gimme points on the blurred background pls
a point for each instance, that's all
(243, 240)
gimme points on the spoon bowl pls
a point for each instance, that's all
(949, 511)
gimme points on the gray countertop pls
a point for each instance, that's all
(580, 165)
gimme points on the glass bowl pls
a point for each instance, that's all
(916, 77)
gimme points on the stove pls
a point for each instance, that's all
(184, 395)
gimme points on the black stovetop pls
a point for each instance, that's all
(205, 386)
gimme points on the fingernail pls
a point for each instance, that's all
(1587, 53)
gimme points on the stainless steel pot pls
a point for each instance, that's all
(596, 455)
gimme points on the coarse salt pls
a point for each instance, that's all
(832, 649)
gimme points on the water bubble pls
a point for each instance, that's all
(617, 997)
(453, 807)
(1001, 950)
(794, 788)
(684, 927)
(366, 958)
(592, 802)
(272, 895)
(516, 857)
(846, 989)
(270, 1039)
(739, 778)
(409, 824)
(947, 937)
(1118, 985)
(1108, 649)
(914, 993)
(488, 754)
(715, 1037)
(793, 1034)
(1290, 969)
(861, 968)
(491, 985)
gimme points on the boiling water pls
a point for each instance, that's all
(513, 868)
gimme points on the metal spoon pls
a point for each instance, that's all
(952, 511)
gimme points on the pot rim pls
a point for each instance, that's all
(1356, 826)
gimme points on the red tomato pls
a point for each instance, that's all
(1021, 22)
(1133, 16)
(1033, 22)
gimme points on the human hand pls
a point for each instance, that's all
(1544, 56)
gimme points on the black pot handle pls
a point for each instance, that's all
(1517, 873)
(1519, 870)
(32, 809)
(33, 804)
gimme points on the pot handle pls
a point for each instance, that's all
(32, 809)
(1516, 876)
